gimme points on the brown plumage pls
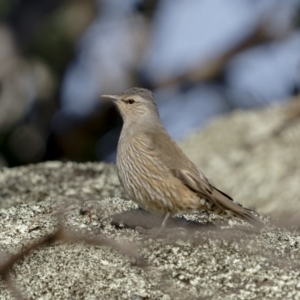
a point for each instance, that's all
(154, 171)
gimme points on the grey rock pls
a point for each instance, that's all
(228, 260)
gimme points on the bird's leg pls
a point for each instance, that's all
(162, 228)
(156, 230)
(163, 225)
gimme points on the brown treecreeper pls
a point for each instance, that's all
(154, 171)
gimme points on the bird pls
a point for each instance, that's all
(153, 170)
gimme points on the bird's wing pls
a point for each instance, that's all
(194, 180)
(164, 150)
(204, 189)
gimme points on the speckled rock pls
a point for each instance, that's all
(37, 183)
(228, 260)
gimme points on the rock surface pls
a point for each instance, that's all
(212, 259)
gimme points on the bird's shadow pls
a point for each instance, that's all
(139, 218)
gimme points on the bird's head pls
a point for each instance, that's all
(135, 105)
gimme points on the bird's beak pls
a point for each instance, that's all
(111, 97)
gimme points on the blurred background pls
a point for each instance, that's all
(202, 58)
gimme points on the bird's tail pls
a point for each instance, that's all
(226, 204)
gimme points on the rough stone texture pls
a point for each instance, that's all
(38, 183)
(228, 260)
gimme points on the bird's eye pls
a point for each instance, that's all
(130, 101)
